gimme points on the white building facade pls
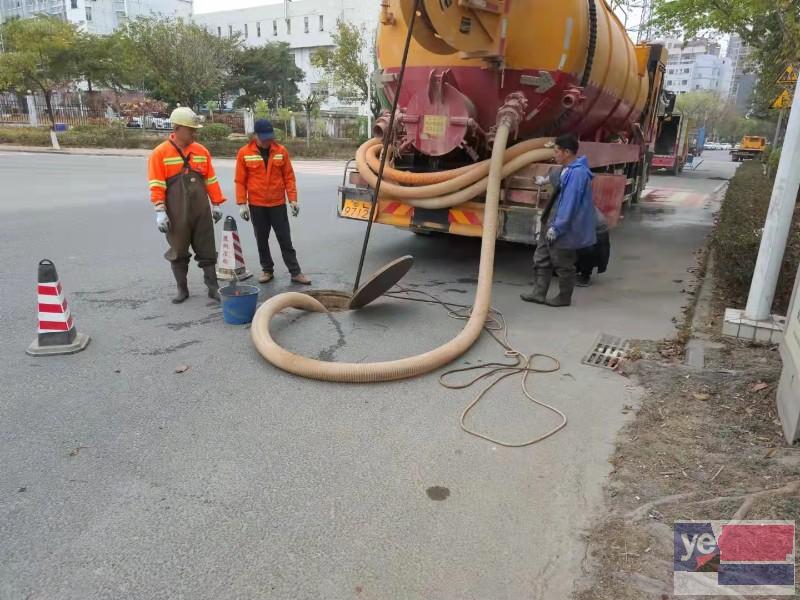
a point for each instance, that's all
(306, 25)
(694, 65)
(96, 16)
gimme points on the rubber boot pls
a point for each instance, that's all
(210, 279)
(541, 283)
(566, 283)
(180, 270)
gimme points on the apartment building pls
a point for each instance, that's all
(305, 25)
(694, 65)
(95, 16)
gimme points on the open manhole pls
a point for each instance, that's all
(607, 352)
(333, 300)
(375, 286)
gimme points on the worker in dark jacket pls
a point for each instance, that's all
(594, 257)
(568, 226)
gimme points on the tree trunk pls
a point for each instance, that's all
(89, 84)
(49, 104)
(308, 128)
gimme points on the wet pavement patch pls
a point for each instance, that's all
(438, 493)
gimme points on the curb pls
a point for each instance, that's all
(133, 152)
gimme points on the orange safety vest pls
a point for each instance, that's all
(262, 184)
(166, 162)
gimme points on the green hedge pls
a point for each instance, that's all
(737, 238)
(94, 136)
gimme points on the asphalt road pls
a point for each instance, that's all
(121, 479)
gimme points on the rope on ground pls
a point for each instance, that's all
(522, 364)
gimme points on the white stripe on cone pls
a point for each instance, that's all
(231, 252)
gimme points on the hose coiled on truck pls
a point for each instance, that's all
(422, 363)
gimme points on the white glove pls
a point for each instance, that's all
(551, 235)
(541, 180)
(295, 208)
(162, 221)
(216, 213)
(244, 212)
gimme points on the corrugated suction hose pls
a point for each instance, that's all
(414, 365)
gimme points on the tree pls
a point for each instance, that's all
(310, 106)
(105, 61)
(266, 73)
(770, 27)
(345, 67)
(704, 107)
(179, 62)
(39, 54)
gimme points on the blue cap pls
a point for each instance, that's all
(263, 129)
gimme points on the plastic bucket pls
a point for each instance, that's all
(239, 303)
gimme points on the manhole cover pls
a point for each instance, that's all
(607, 352)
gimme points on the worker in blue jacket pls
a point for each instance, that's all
(568, 224)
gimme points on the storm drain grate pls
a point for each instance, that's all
(607, 352)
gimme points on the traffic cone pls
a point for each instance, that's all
(231, 260)
(57, 333)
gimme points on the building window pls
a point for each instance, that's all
(258, 29)
(88, 13)
(74, 4)
(288, 27)
(684, 82)
(230, 30)
(321, 23)
(274, 28)
(305, 24)
(686, 70)
(219, 31)
(246, 32)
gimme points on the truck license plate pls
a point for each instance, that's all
(356, 209)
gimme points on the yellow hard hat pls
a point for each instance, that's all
(183, 115)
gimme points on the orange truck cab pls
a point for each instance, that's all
(751, 146)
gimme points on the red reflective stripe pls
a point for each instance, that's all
(53, 308)
(472, 217)
(390, 208)
(239, 258)
(56, 325)
(235, 237)
(49, 289)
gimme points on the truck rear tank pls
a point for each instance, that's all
(572, 59)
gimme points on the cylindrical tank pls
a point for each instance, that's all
(572, 59)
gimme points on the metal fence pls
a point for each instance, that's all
(72, 109)
(68, 109)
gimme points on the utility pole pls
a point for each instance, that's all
(776, 140)
(779, 221)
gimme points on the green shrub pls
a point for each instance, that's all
(212, 132)
(25, 136)
(102, 136)
(737, 238)
(773, 160)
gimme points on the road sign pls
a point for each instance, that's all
(784, 100)
(788, 77)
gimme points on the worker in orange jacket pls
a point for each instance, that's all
(264, 180)
(182, 181)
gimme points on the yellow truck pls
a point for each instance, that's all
(751, 146)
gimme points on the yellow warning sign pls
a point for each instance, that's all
(788, 77)
(784, 100)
